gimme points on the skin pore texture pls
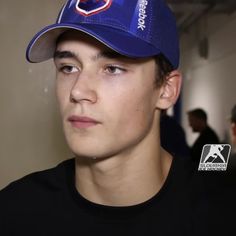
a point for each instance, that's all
(110, 111)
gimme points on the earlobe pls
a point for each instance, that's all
(169, 91)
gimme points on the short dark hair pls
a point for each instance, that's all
(198, 113)
(164, 68)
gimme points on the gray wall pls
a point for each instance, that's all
(210, 82)
(31, 136)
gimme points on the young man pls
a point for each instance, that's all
(116, 64)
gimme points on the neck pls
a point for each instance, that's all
(123, 180)
(203, 127)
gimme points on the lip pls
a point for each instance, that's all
(82, 121)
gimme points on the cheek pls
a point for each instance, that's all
(63, 95)
(136, 112)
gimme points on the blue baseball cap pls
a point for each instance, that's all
(133, 28)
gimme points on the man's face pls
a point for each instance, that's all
(194, 123)
(107, 102)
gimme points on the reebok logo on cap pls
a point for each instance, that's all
(142, 14)
(90, 7)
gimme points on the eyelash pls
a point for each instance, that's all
(109, 69)
(114, 67)
(66, 69)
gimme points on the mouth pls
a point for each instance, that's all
(82, 122)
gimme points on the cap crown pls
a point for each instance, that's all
(150, 20)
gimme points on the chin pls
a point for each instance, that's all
(85, 151)
(88, 149)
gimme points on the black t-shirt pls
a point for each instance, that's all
(189, 203)
(172, 137)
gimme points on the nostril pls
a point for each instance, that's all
(72, 99)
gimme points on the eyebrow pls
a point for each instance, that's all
(109, 55)
(64, 54)
(104, 54)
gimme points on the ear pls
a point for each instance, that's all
(169, 91)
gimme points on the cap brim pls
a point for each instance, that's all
(42, 46)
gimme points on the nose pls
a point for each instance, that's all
(84, 89)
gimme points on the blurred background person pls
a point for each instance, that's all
(197, 119)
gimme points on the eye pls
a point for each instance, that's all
(114, 70)
(68, 69)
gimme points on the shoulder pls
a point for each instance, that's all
(213, 184)
(36, 184)
(209, 131)
(220, 192)
(212, 195)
